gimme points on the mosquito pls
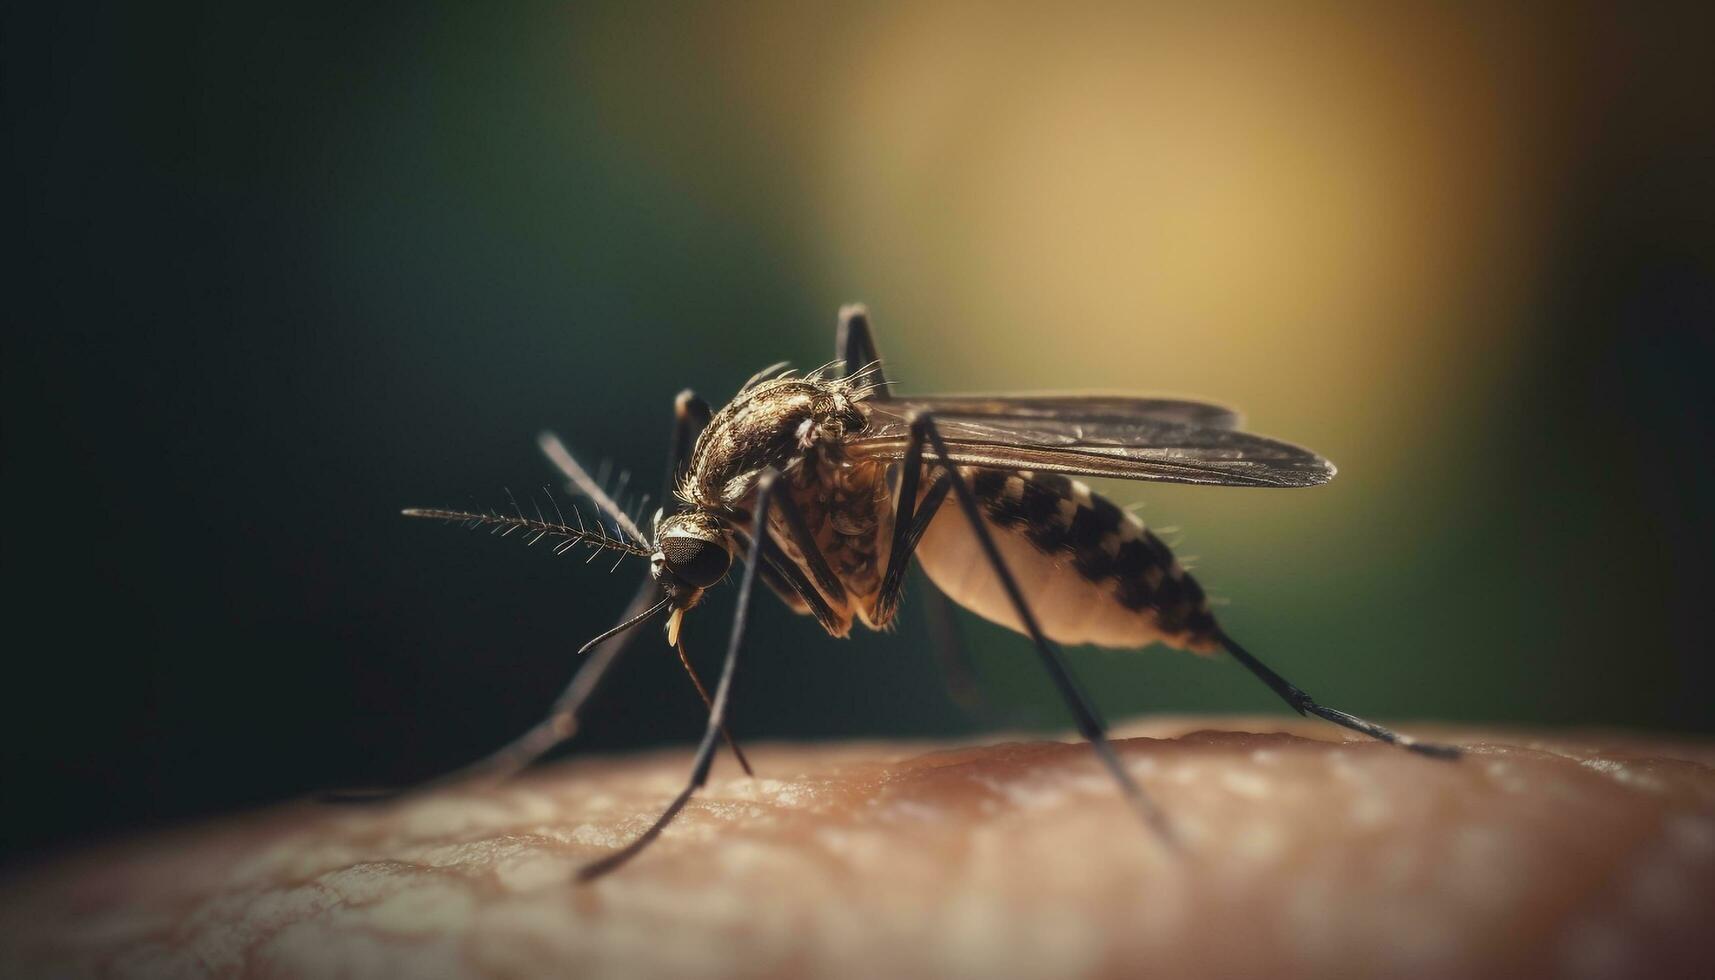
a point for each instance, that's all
(826, 486)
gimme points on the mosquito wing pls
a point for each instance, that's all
(1083, 407)
(1130, 439)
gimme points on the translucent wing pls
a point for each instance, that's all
(1084, 407)
(1131, 439)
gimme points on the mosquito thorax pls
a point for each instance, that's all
(773, 423)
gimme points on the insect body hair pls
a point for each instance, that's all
(775, 423)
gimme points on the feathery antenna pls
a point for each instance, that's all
(565, 535)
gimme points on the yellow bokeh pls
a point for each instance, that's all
(1246, 206)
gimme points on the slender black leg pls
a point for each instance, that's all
(1089, 723)
(950, 652)
(789, 582)
(854, 345)
(781, 586)
(560, 724)
(799, 531)
(1304, 704)
(910, 521)
(690, 414)
(717, 709)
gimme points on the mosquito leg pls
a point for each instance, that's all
(690, 414)
(782, 587)
(560, 724)
(765, 494)
(1089, 723)
(789, 582)
(690, 417)
(801, 536)
(911, 519)
(950, 651)
(1304, 704)
(854, 345)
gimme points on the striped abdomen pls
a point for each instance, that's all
(1091, 572)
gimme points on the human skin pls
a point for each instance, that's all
(1301, 853)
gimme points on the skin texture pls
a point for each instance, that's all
(1579, 854)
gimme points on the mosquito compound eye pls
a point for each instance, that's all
(696, 562)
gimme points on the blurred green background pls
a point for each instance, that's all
(278, 273)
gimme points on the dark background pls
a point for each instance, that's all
(275, 274)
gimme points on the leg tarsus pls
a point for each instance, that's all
(1304, 704)
(595, 869)
(560, 724)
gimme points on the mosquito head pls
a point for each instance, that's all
(693, 551)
